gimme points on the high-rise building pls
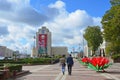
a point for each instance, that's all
(43, 44)
(43, 41)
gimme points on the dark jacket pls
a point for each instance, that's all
(70, 60)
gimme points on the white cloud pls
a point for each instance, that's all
(97, 21)
(21, 12)
(58, 5)
(66, 28)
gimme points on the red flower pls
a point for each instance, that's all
(99, 61)
(86, 59)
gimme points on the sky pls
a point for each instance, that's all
(65, 19)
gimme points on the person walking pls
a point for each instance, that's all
(63, 63)
(70, 63)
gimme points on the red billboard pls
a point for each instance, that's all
(42, 43)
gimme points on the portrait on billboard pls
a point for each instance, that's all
(42, 43)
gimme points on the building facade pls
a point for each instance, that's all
(43, 41)
(5, 52)
(59, 51)
(99, 52)
(43, 44)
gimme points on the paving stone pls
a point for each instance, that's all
(80, 72)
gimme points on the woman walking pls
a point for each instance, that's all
(63, 64)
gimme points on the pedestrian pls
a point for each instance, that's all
(63, 63)
(70, 63)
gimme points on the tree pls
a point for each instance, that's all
(111, 26)
(93, 35)
(115, 2)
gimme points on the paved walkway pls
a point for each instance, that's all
(80, 72)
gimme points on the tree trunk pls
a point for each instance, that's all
(103, 53)
(93, 52)
(100, 53)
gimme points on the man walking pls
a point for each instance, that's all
(70, 63)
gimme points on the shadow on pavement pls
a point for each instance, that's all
(113, 72)
(23, 74)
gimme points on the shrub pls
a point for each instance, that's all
(115, 56)
(13, 67)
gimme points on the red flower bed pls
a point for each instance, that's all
(99, 63)
(85, 61)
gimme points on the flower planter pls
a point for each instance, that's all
(99, 64)
(85, 61)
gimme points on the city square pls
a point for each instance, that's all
(59, 40)
(80, 72)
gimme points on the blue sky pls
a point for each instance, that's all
(21, 19)
(96, 8)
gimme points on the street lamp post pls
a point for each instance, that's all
(83, 47)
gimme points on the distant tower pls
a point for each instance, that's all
(34, 53)
(43, 41)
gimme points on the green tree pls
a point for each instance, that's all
(115, 2)
(111, 26)
(93, 35)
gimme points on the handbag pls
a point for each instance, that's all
(63, 64)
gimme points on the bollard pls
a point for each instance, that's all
(14, 73)
(6, 73)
